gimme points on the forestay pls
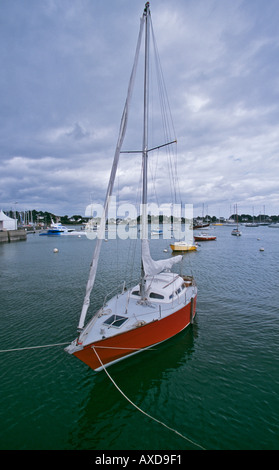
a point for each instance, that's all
(101, 231)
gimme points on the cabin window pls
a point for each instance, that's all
(116, 321)
(154, 295)
(180, 289)
(136, 292)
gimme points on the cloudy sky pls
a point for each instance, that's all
(65, 66)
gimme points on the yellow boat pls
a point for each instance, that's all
(182, 246)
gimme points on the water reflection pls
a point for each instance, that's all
(145, 379)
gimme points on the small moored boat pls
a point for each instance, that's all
(203, 237)
(236, 232)
(183, 246)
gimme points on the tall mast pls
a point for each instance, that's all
(101, 231)
(144, 221)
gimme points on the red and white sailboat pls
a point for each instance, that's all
(163, 303)
(204, 237)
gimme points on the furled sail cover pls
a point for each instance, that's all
(152, 267)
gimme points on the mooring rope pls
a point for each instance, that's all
(142, 411)
(114, 383)
(33, 347)
(68, 342)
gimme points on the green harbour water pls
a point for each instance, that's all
(216, 383)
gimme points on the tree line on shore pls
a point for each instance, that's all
(45, 218)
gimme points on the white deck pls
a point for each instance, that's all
(132, 311)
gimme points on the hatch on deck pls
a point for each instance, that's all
(116, 321)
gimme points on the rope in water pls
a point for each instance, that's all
(33, 347)
(142, 411)
(114, 383)
(68, 342)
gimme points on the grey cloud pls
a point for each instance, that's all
(64, 73)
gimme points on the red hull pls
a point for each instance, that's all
(125, 344)
(204, 239)
(196, 227)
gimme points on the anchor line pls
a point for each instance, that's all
(142, 411)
